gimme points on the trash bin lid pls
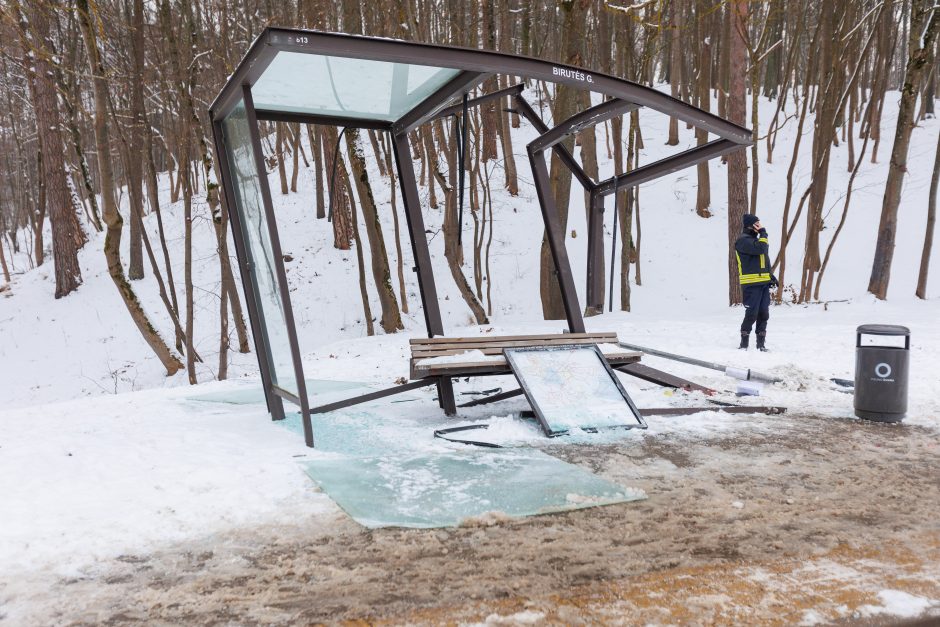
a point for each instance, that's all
(882, 329)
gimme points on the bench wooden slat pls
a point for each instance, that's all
(493, 366)
(493, 346)
(560, 338)
(488, 348)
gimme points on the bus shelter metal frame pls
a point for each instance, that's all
(475, 66)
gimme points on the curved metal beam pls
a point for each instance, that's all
(389, 50)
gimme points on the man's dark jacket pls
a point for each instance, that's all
(751, 250)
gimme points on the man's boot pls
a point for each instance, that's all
(745, 337)
(761, 337)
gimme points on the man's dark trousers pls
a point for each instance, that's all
(756, 307)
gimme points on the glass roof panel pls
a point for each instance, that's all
(297, 82)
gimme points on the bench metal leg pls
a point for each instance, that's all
(445, 395)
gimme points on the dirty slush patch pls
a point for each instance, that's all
(802, 518)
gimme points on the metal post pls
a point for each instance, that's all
(595, 255)
(556, 242)
(279, 265)
(422, 257)
(255, 319)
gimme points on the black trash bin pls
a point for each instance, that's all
(881, 373)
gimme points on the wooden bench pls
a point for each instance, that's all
(488, 359)
(424, 352)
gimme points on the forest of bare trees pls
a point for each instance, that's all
(101, 98)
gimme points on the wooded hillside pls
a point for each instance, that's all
(100, 99)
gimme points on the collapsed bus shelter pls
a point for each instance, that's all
(313, 77)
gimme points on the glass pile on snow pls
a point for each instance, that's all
(452, 487)
(381, 463)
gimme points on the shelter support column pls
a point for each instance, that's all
(556, 241)
(422, 257)
(595, 256)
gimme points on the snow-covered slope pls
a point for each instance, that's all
(86, 344)
(83, 480)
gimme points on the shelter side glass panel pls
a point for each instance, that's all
(261, 259)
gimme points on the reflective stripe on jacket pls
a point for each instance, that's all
(751, 251)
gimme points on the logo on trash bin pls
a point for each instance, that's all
(882, 372)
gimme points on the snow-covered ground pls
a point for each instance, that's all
(101, 454)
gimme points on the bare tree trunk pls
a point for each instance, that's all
(845, 213)
(112, 218)
(831, 79)
(564, 106)
(381, 274)
(69, 99)
(3, 264)
(360, 257)
(453, 251)
(920, 47)
(295, 143)
(703, 198)
(675, 66)
(223, 334)
(135, 269)
(279, 153)
(38, 215)
(784, 233)
(488, 113)
(339, 201)
(928, 227)
(315, 137)
(623, 201)
(154, 201)
(737, 161)
(509, 159)
(67, 233)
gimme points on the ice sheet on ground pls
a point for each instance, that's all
(444, 489)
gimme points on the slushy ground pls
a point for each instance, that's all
(791, 519)
(153, 507)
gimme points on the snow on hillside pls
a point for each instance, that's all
(86, 344)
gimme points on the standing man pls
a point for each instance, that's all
(751, 250)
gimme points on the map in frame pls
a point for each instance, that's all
(572, 387)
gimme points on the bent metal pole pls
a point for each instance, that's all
(745, 374)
